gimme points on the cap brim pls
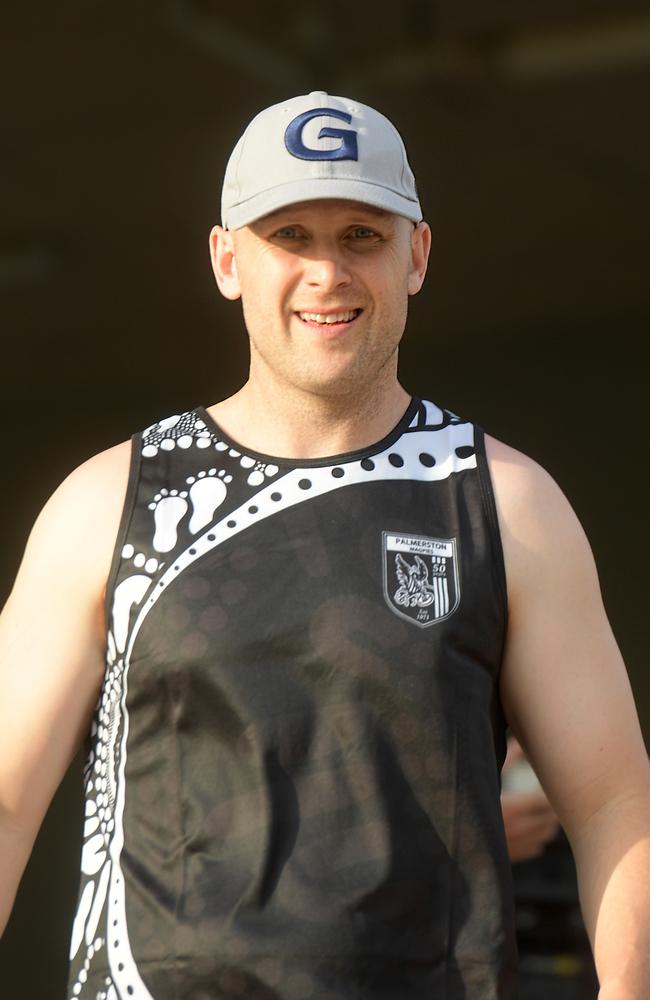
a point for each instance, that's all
(315, 188)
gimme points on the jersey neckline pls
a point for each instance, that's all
(313, 463)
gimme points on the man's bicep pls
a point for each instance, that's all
(51, 640)
(564, 686)
(49, 675)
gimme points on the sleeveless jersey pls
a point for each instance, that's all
(292, 784)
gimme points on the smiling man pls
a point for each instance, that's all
(293, 628)
(324, 286)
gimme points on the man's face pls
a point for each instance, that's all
(324, 287)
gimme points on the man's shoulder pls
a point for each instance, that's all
(515, 472)
(70, 548)
(80, 521)
(99, 482)
(523, 487)
(540, 531)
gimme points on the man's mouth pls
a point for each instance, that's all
(329, 319)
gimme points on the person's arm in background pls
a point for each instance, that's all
(52, 652)
(528, 817)
(567, 698)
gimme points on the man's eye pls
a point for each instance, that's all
(287, 233)
(363, 233)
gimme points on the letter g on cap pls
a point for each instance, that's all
(348, 150)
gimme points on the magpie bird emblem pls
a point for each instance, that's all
(414, 587)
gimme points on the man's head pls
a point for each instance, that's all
(323, 240)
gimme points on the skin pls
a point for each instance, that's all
(318, 390)
(567, 699)
(313, 392)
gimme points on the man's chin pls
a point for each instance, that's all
(338, 384)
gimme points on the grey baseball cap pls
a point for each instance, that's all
(317, 146)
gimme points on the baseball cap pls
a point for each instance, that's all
(317, 146)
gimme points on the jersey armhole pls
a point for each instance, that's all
(125, 522)
(490, 508)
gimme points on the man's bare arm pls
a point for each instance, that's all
(51, 651)
(567, 697)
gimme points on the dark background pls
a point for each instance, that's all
(526, 124)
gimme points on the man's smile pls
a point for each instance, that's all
(330, 319)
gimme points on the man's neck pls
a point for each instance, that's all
(307, 425)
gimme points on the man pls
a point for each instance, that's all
(292, 609)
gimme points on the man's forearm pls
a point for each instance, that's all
(613, 859)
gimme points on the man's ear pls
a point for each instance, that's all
(420, 247)
(224, 265)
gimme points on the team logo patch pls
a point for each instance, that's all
(420, 577)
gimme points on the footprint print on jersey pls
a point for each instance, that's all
(169, 508)
(206, 493)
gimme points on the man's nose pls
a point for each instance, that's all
(327, 269)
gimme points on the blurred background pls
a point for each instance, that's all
(524, 125)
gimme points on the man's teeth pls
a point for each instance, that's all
(329, 318)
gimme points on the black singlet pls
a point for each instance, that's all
(292, 785)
